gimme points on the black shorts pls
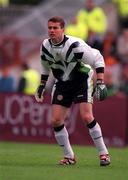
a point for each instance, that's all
(65, 93)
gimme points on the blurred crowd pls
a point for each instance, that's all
(27, 80)
(91, 24)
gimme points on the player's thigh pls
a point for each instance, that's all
(86, 111)
(84, 92)
(61, 96)
(58, 114)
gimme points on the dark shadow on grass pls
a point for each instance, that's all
(53, 165)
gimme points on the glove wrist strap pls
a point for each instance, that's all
(44, 79)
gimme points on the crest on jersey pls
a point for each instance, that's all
(58, 57)
(60, 97)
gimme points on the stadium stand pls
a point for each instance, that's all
(11, 14)
(32, 21)
(29, 22)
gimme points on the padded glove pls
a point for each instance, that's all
(39, 93)
(100, 90)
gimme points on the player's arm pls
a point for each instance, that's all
(94, 58)
(100, 88)
(43, 80)
(44, 77)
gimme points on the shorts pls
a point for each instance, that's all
(66, 93)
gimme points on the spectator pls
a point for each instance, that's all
(111, 57)
(4, 3)
(122, 46)
(109, 43)
(78, 29)
(7, 82)
(122, 9)
(29, 80)
(94, 17)
(112, 62)
(124, 81)
(109, 81)
(109, 49)
(95, 41)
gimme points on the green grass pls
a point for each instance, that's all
(20, 161)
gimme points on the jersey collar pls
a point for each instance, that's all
(59, 44)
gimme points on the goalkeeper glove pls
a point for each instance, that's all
(39, 93)
(40, 90)
(100, 90)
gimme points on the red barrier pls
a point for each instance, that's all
(23, 119)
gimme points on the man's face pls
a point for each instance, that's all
(55, 31)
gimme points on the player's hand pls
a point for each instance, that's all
(39, 95)
(100, 90)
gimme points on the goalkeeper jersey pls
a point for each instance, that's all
(69, 60)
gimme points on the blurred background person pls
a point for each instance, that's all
(112, 88)
(124, 79)
(7, 81)
(89, 24)
(4, 3)
(109, 44)
(93, 16)
(28, 81)
(78, 29)
(122, 45)
(95, 41)
(122, 11)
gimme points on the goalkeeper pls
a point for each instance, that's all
(72, 62)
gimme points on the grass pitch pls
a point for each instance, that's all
(19, 161)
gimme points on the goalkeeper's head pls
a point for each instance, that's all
(57, 19)
(56, 27)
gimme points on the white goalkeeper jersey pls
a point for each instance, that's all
(70, 59)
